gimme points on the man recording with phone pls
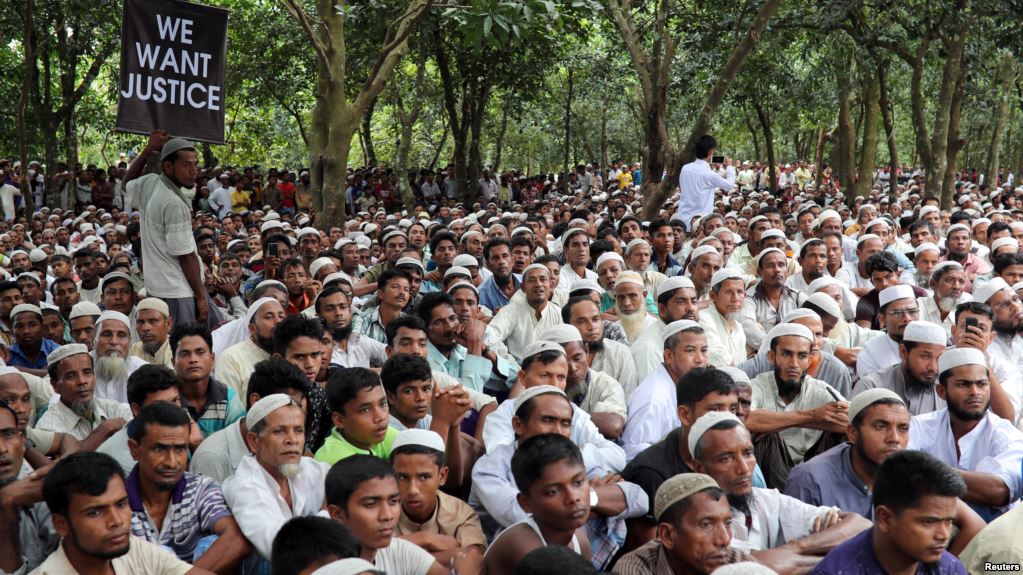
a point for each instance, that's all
(698, 181)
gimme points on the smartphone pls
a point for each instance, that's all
(971, 322)
(273, 250)
(717, 159)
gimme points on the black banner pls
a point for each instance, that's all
(173, 58)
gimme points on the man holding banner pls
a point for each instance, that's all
(173, 271)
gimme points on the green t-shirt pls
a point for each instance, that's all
(336, 447)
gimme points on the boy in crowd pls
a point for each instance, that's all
(305, 544)
(359, 413)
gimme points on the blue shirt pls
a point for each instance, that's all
(18, 359)
(828, 480)
(856, 557)
(492, 297)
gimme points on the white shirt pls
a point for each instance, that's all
(59, 417)
(994, 446)
(516, 325)
(877, 353)
(166, 235)
(929, 311)
(234, 366)
(776, 519)
(647, 352)
(726, 341)
(220, 200)
(616, 361)
(698, 182)
(255, 499)
(403, 558)
(361, 350)
(649, 322)
(653, 412)
(497, 430)
(1010, 349)
(569, 278)
(116, 390)
(219, 454)
(849, 275)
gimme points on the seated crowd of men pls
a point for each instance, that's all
(560, 387)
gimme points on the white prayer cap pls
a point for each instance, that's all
(540, 346)
(702, 251)
(457, 270)
(828, 214)
(272, 215)
(586, 285)
(265, 406)
(999, 243)
(36, 255)
(826, 303)
(821, 283)
(156, 304)
(772, 233)
(274, 283)
(725, 274)
(958, 356)
(928, 209)
(945, 264)
(719, 231)
(866, 237)
(84, 308)
(65, 351)
(785, 329)
(738, 376)
(343, 242)
(673, 283)
(925, 247)
(532, 267)
(753, 221)
(521, 230)
(30, 276)
(607, 257)
(319, 263)
(308, 232)
(408, 261)
(956, 228)
(269, 225)
(707, 421)
(634, 244)
(531, 392)
(465, 261)
(336, 277)
(463, 284)
(764, 253)
(629, 277)
(922, 331)
(989, 289)
(678, 327)
(742, 568)
(23, 307)
(113, 315)
(418, 437)
(870, 397)
(562, 333)
(979, 221)
(893, 293)
(876, 222)
(572, 232)
(114, 276)
(469, 234)
(1017, 286)
(800, 313)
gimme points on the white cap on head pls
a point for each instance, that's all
(893, 293)
(957, 356)
(562, 333)
(785, 329)
(155, 304)
(956, 228)
(410, 261)
(673, 283)
(738, 376)
(629, 277)
(319, 263)
(308, 232)
(463, 284)
(113, 315)
(945, 264)
(985, 292)
(540, 346)
(678, 327)
(772, 233)
(869, 397)
(418, 437)
(265, 406)
(878, 222)
(457, 270)
(702, 251)
(586, 285)
(865, 237)
(925, 332)
(465, 261)
(800, 313)
(979, 221)
(705, 423)
(999, 243)
(531, 392)
(36, 255)
(23, 307)
(65, 351)
(925, 247)
(826, 303)
(928, 209)
(608, 257)
(349, 566)
(764, 253)
(725, 274)
(821, 283)
(532, 267)
(634, 244)
(84, 308)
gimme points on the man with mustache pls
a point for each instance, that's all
(898, 308)
(523, 320)
(235, 364)
(110, 352)
(182, 511)
(926, 257)
(630, 301)
(781, 531)
(770, 300)
(790, 410)
(603, 354)
(351, 349)
(1008, 322)
(987, 450)
(677, 299)
(726, 342)
(274, 473)
(78, 412)
(393, 291)
(947, 282)
(813, 261)
(913, 378)
(457, 347)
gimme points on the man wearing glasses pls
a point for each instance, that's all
(898, 307)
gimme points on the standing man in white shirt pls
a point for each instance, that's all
(697, 182)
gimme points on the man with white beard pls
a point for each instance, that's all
(78, 412)
(726, 341)
(946, 282)
(630, 299)
(925, 257)
(110, 352)
(274, 482)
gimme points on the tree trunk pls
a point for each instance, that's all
(499, 143)
(868, 152)
(888, 118)
(754, 136)
(568, 132)
(367, 133)
(603, 134)
(818, 157)
(954, 144)
(846, 135)
(765, 123)
(1007, 72)
(407, 119)
(22, 127)
(954, 42)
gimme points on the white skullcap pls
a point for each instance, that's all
(65, 351)
(800, 313)
(702, 251)
(463, 284)
(269, 225)
(876, 222)
(928, 209)
(531, 392)
(369, 228)
(343, 242)
(562, 333)
(737, 375)
(707, 421)
(521, 230)
(866, 237)
(336, 277)
(945, 264)
(30, 276)
(893, 293)
(572, 232)
(772, 233)
(678, 327)
(979, 221)
(1000, 242)
(673, 283)
(457, 270)
(113, 315)
(742, 568)
(114, 276)
(272, 215)
(308, 232)
(753, 221)
(922, 331)
(274, 283)
(725, 274)
(471, 233)
(629, 277)
(821, 283)
(465, 261)
(392, 234)
(925, 247)
(23, 307)
(607, 257)
(1017, 286)
(540, 346)
(84, 308)
(871, 396)
(956, 228)
(408, 261)
(265, 406)
(719, 231)
(826, 303)
(586, 285)
(36, 255)
(983, 293)
(418, 437)
(319, 263)
(155, 304)
(958, 356)
(634, 244)
(764, 253)
(783, 330)
(532, 267)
